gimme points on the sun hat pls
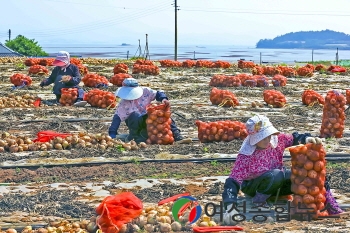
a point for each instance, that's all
(130, 90)
(62, 59)
(258, 127)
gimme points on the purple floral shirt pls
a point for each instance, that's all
(126, 107)
(248, 167)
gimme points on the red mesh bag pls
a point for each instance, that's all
(272, 70)
(347, 93)
(188, 63)
(245, 64)
(38, 69)
(308, 179)
(223, 98)
(18, 79)
(333, 119)
(101, 99)
(287, 71)
(118, 79)
(258, 70)
(274, 98)
(279, 81)
(261, 80)
(68, 96)
(114, 211)
(120, 68)
(93, 80)
(225, 81)
(221, 131)
(46, 136)
(158, 124)
(305, 71)
(170, 63)
(310, 97)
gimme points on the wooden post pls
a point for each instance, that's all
(260, 58)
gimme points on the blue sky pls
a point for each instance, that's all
(200, 22)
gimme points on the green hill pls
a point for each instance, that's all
(326, 39)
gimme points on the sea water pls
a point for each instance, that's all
(210, 52)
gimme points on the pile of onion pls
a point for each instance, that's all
(11, 101)
(18, 79)
(274, 98)
(311, 97)
(223, 98)
(221, 131)
(333, 119)
(12, 143)
(68, 96)
(158, 124)
(118, 79)
(101, 99)
(308, 177)
(145, 69)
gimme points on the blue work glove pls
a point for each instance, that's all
(24, 83)
(42, 84)
(101, 85)
(113, 134)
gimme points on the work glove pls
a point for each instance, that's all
(42, 84)
(228, 217)
(24, 83)
(313, 140)
(300, 138)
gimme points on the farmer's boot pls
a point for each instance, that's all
(260, 200)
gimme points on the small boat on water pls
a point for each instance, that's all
(125, 44)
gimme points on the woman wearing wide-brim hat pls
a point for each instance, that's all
(132, 110)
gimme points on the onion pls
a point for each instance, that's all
(92, 227)
(42, 230)
(123, 229)
(165, 227)
(149, 227)
(11, 230)
(204, 224)
(135, 228)
(212, 223)
(152, 219)
(176, 226)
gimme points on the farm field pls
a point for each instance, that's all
(52, 186)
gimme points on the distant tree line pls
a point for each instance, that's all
(308, 39)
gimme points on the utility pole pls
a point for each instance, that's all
(9, 34)
(176, 9)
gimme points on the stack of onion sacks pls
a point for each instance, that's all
(274, 98)
(311, 97)
(308, 178)
(221, 131)
(158, 124)
(225, 81)
(68, 96)
(333, 119)
(223, 98)
(101, 99)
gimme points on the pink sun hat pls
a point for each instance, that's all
(62, 59)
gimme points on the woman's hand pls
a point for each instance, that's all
(166, 102)
(66, 78)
